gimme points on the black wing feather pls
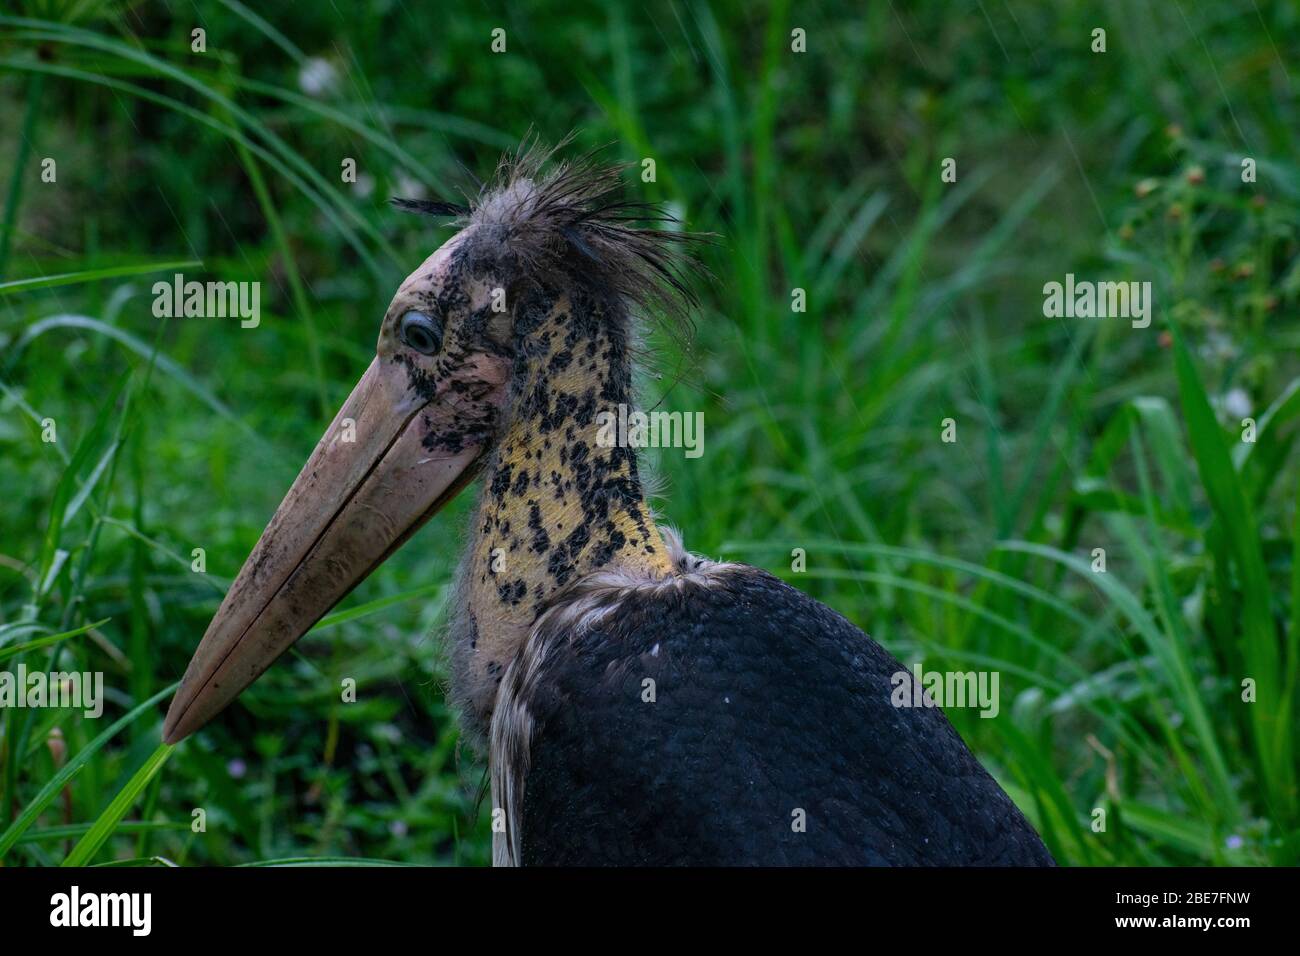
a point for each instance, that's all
(766, 703)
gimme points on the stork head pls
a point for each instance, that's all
(461, 347)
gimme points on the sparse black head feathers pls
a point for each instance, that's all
(543, 218)
(431, 207)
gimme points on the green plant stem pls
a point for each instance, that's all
(35, 81)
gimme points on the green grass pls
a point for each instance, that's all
(1122, 691)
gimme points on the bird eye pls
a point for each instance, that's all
(421, 333)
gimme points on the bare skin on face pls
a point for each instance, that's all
(462, 383)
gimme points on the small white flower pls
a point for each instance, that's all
(1237, 403)
(390, 733)
(364, 185)
(1233, 404)
(409, 188)
(317, 76)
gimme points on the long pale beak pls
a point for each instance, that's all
(379, 472)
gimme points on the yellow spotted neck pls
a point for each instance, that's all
(555, 505)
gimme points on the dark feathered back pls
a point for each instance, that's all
(768, 709)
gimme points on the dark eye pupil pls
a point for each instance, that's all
(419, 332)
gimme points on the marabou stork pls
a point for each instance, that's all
(769, 708)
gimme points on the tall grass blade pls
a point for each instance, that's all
(103, 827)
(74, 766)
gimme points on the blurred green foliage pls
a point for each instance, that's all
(820, 171)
